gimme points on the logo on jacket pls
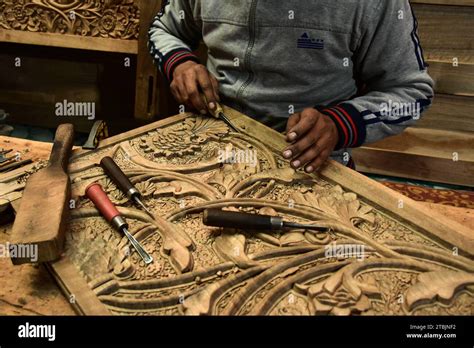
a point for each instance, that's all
(306, 42)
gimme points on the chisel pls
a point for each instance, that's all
(218, 112)
(123, 183)
(97, 195)
(230, 219)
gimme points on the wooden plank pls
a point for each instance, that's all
(77, 288)
(449, 113)
(70, 41)
(445, 2)
(462, 215)
(423, 154)
(146, 93)
(447, 28)
(450, 79)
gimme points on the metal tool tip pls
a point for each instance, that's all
(138, 200)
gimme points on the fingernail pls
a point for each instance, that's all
(296, 164)
(309, 169)
(287, 154)
(203, 112)
(292, 136)
(212, 106)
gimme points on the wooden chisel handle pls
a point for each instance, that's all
(118, 177)
(100, 199)
(230, 219)
(97, 195)
(62, 146)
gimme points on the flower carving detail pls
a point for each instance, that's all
(339, 294)
(117, 19)
(185, 138)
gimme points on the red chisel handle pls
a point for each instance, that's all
(97, 195)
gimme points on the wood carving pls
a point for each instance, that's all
(114, 19)
(374, 260)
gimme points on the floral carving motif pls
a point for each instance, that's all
(339, 205)
(340, 294)
(97, 18)
(184, 138)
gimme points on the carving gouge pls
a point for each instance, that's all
(230, 219)
(218, 112)
(123, 183)
(97, 195)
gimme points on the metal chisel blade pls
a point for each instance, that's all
(228, 122)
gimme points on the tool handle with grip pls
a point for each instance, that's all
(62, 146)
(118, 176)
(100, 199)
(221, 218)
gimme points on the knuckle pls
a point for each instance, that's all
(206, 85)
(200, 67)
(189, 73)
(326, 153)
(192, 92)
(317, 149)
(310, 113)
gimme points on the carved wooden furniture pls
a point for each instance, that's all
(399, 258)
(101, 25)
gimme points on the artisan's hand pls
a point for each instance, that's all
(189, 80)
(313, 137)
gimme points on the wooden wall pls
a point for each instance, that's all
(441, 145)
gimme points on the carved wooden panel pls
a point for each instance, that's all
(115, 19)
(383, 254)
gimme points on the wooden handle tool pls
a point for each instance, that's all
(38, 231)
(218, 112)
(97, 195)
(123, 182)
(247, 221)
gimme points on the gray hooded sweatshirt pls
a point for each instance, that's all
(358, 62)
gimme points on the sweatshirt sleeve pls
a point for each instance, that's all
(389, 62)
(173, 36)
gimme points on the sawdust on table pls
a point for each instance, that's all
(28, 289)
